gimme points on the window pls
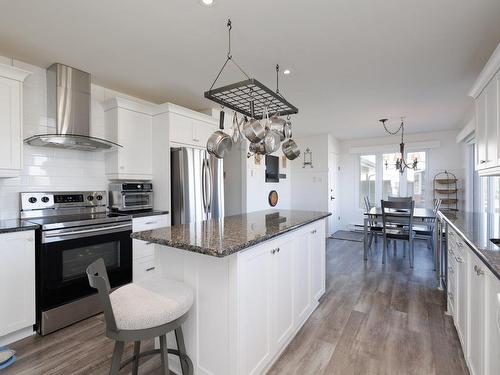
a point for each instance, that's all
(416, 179)
(390, 176)
(367, 178)
(390, 182)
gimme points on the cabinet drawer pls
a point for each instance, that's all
(143, 267)
(149, 223)
(143, 249)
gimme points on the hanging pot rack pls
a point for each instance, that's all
(249, 97)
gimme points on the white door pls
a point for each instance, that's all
(282, 302)
(332, 189)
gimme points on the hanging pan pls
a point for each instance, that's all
(219, 143)
(253, 130)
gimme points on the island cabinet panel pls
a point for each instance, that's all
(302, 276)
(492, 323)
(476, 331)
(318, 264)
(247, 305)
(255, 308)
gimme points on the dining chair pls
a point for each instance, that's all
(399, 199)
(374, 230)
(425, 231)
(397, 220)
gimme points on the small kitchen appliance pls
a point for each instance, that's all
(130, 196)
(75, 229)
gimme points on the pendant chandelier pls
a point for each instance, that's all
(400, 164)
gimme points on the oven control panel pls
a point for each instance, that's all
(50, 200)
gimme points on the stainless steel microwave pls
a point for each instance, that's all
(130, 196)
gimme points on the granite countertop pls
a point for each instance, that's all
(477, 229)
(231, 234)
(16, 225)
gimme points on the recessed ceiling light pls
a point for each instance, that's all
(287, 72)
(207, 3)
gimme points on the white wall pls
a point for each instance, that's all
(448, 155)
(50, 168)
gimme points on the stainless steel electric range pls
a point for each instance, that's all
(75, 229)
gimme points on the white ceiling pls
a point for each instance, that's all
(353, 61)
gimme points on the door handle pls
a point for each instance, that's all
(332, 198)
(204, 185)
(209, 184)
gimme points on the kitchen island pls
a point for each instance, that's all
(256, 278)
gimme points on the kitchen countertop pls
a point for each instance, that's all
(231, 234)
(477, 229)
(16, 225)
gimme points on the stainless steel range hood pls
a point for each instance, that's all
(68, 111)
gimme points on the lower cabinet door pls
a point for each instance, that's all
(476, 317)
(461, 300)
(17, 281)
(255, 281)
(317, 249)
(282, 302)
(492, 323)
(302, 278)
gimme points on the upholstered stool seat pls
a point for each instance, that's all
(140, 312)
(136, 307)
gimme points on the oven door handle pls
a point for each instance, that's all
(72, 233)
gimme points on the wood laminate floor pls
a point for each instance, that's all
(371, 320)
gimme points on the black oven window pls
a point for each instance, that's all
(75, 261)
(136, 199)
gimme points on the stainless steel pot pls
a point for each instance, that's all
(290, 149)
(271, 142)
(253, 130)
(219, 143)
(281, 127)
(256, 148)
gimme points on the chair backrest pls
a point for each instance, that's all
(399, 199)
(368, 207)
(98, 279)
(397, 213)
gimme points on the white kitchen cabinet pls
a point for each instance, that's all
(17, 285)
(186, 130)
(282, 293)
(302, 276)
(129, 124)
(492, 324)
(461, 293)
(487, 106)
(318, 266)
(143, 253)
(11, 120)
(256, 310)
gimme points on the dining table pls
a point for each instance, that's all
(421, 217)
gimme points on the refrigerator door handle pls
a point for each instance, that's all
(203, 185)
(209, 184)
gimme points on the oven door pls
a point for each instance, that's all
(137, 201)
(66, 253)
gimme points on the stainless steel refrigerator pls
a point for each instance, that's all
(197, 184)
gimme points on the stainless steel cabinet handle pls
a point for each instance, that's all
(150, 269)
(150, 222)
(276, 250)
(149, 243)
(482, 161)
(313, 231)
(196, 139)
(478, 270)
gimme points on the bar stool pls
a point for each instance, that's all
(133, 313)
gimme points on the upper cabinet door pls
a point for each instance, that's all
(10, 127)
(181, 129)
(135, 135)
(481, 136)
(492, 123)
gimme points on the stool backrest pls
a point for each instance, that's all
(397, 214)
(98, 279)
(399, 199)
